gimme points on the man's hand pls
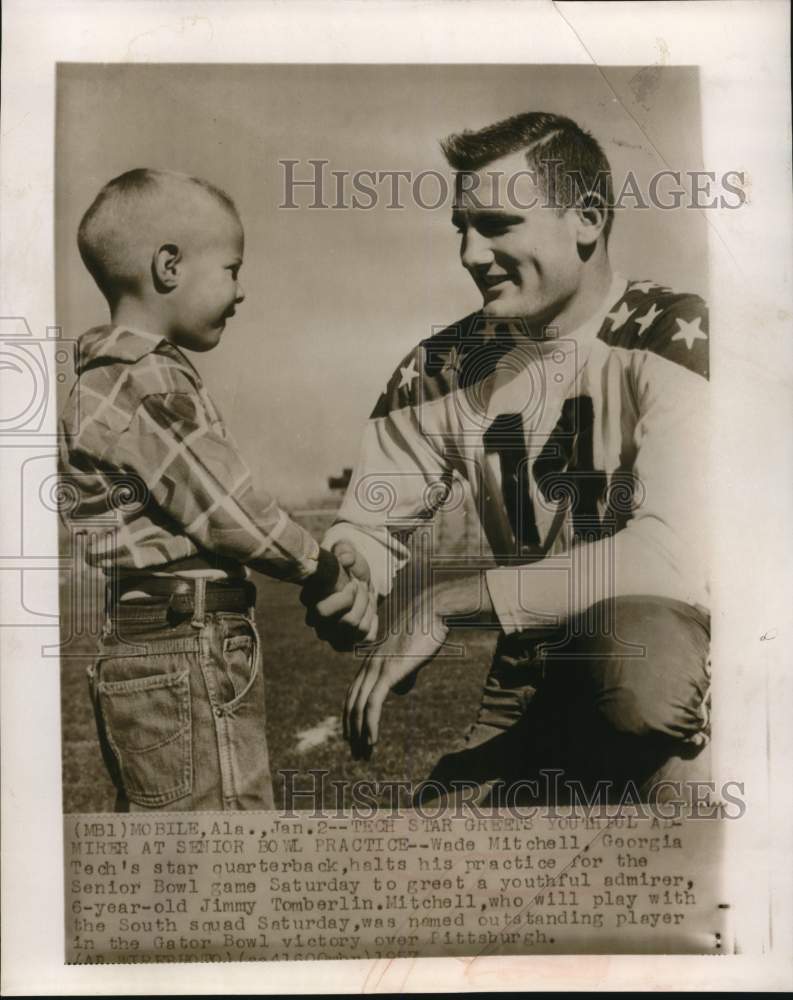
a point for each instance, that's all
(348, 615)
(397, 659)
(415, 634)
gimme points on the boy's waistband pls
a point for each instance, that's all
(212, 568)
(183, 596)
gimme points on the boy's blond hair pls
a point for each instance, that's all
(135, 213)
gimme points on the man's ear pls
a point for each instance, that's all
(166, 267)
(591, 216)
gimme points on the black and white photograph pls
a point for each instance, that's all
(460, 349)
(387, 451)
(443, 395)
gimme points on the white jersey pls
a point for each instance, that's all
(586, 456)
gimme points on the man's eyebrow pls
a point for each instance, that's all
(483, 217)
(489, 217)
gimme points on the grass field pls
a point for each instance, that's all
(306, 684)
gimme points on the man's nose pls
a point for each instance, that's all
(475, 251)
(240, 293)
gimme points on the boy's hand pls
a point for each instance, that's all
(329, 578)
(346, 615)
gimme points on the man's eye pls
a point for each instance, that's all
(493, 228)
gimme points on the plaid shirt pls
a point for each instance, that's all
(154, 478)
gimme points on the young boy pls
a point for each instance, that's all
(177, 687)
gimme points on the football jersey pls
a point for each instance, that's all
(585, 455)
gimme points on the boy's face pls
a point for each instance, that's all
(209, 287)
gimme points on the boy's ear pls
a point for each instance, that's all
(166, 267)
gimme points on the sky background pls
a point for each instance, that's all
(335, 298)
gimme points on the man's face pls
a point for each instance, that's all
(524, 260)
(209, 289)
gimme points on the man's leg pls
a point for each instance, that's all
(485, 756)
(625, 698)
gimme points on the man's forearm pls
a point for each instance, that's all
(644, 558)
(464, 598)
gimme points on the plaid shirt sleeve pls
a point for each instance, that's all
(194, 473)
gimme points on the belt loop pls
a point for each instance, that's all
(257, 643)
(110, 593)
(199, 609)
(250, 593)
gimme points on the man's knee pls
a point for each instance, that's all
(646, 670)
(631, 710)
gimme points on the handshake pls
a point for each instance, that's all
(342, 604)
(344, 613)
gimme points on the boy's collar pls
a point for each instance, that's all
(116, 343)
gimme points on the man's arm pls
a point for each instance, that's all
(415, 632)
(393, 487)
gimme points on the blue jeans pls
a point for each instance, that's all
(618, 695)
(180, 709)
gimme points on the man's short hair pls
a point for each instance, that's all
(569, 162)
(129, 211)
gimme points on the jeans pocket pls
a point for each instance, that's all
(148, 726)
(240, 666)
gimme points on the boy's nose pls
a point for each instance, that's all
(240, 293)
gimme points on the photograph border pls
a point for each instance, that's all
(742, 51)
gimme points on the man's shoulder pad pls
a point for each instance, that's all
(651, 317)
(439, 364)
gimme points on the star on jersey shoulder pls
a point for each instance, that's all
(408, 373)
(648, 319)
(620, 317)
(642, 286)
(690, 331)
